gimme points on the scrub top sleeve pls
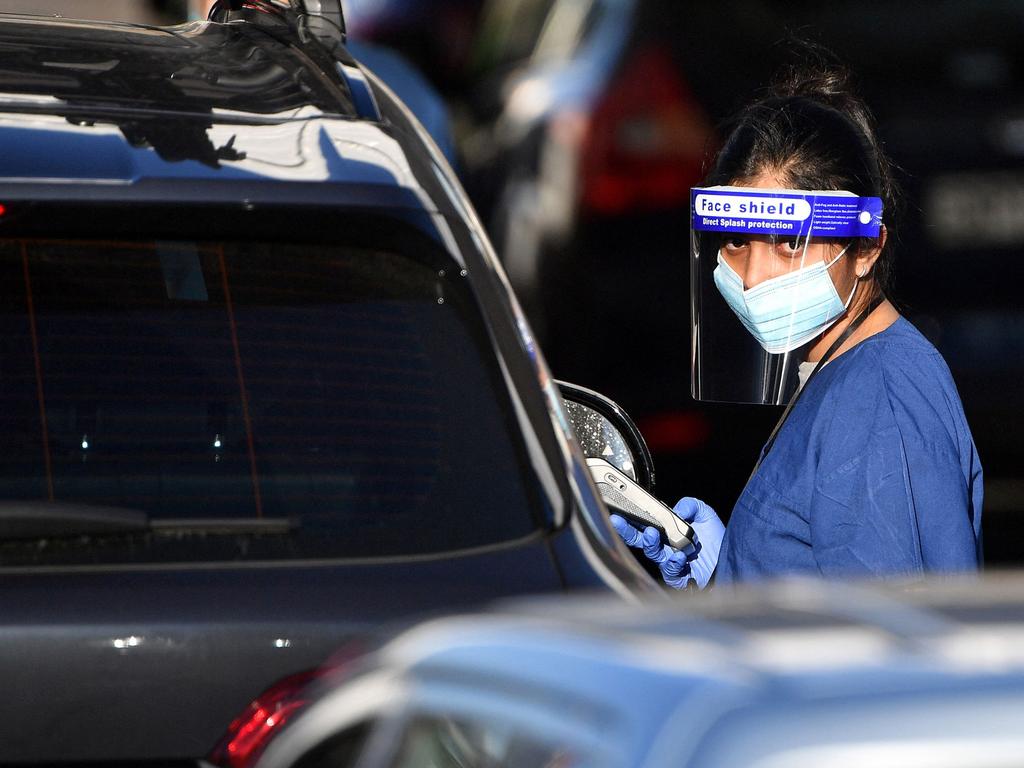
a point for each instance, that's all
(939, 499)
(940, 464)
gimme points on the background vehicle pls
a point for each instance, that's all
(590, 121)
(793, 673)
(264, 384)
(435, 35)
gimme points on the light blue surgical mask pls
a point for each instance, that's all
(785, 312)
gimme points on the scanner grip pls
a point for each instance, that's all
(624, 496)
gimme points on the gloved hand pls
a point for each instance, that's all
(710, 531)
(675, 570)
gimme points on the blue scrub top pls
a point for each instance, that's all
(874, 473)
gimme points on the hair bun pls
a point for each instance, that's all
(811, 130)
(813, 71)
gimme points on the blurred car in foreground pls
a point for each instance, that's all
(264, 385)
(587, 134)
(795, 674)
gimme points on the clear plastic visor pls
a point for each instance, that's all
(761, 298)
(759, 258)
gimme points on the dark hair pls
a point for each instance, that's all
(813, 131)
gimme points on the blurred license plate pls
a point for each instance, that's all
(977, 209)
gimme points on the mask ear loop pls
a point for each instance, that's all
(839, 256)
(856, 284)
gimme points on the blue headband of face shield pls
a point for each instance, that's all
(785, 212)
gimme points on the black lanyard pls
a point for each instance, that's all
(824, 359)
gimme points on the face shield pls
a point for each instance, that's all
(761, 290)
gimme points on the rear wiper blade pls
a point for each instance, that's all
(57, 519)
(47, 519)
(227, 526)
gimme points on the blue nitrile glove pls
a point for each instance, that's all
(710, 531)
(675, 570)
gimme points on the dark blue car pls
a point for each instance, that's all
(263, 385)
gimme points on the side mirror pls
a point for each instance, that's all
(605, 431)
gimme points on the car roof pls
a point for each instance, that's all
(880, 623)
(246, 68)
(753, 658)
(792, 672)
(100, 110)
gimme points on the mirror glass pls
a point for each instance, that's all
(599, 439)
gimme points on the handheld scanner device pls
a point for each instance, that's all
(627, 498)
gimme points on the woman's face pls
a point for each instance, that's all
(756, 258)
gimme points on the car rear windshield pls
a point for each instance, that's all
(187, 400)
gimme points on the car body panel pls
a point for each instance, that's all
(193, 646)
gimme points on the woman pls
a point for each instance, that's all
(872, 471)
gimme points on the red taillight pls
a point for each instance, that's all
(249, 734)
(646, 139)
